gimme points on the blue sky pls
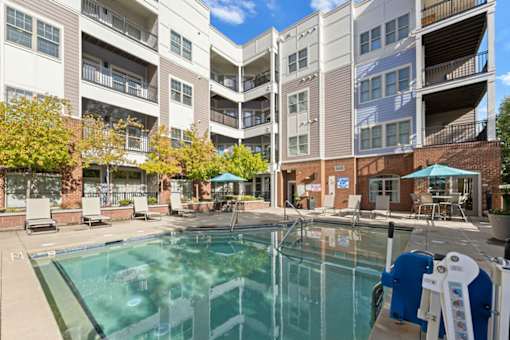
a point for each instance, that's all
(242, 20)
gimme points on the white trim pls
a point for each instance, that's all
(385, 178)
(383, 126)
(382, 74)
(172, 77)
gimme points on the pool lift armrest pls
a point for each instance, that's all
(501, 297)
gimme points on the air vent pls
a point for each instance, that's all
(339, 168)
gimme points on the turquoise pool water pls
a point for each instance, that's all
(220, 286)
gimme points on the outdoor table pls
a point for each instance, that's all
(441, 198)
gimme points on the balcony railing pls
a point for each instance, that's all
(119, 82)
(256, 119)
(119, 23)
(456, 69)
(250, 83)
(224, 119)
(138, 142)
(446, 9)
(456, 133)
(228, 81)
(116, 197)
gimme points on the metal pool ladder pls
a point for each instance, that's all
(301, 220)
(235, 216)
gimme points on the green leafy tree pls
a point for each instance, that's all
(503, 132)
(161, 159)
(105, 145)
(244, 163)
(34, 137)
(198, 158)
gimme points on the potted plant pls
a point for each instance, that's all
(500, 222)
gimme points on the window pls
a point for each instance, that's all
(404, 133)
(181, 92)
(391, 134)
(386, 185)
(375, 38)
(371, 138)
(176, 90)
(19, 27)
(12, 94)
(397, 81)
(175, 42)
(365, 139)
(375, 88)
(175, 136)
(48, 39)
(44, 185)
(298, 102)
(403, 26)
(298, 59)
(298, 145)
(364, 46)
(376, 137)
(391, 83)
(293, 146)
(391, 32)
(365, 91)
(187, 95)
(187, 49)
(403, 79)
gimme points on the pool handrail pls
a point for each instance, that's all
(287, 203)
(301, 221)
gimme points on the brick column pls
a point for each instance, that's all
(164, 193)
(2, 189)
(72, 178)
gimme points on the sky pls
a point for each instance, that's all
(242, 20)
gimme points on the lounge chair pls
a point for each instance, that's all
(141, 209)
(353, 208)
(91, 211)
(176, 205)
(329, 203)
(382, 206)
(38, 214)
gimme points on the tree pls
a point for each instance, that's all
(161, 159)
(244, 163)
(34, 137)
(105, 145)
(198, 158)
(503, 132)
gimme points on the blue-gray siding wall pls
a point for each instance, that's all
(397, 107)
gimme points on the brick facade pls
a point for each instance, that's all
(72, 178)
(484, 157)
(334, 168)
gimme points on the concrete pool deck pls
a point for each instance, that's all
(25, 313)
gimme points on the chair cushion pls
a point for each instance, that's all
(41, 221)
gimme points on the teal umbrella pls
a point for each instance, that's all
(438, 170)
(227, 177)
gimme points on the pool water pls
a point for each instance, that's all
(220, 286)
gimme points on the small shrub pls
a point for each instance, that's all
(124, 203)
(500, 212)
(247, 198)
(152, 200)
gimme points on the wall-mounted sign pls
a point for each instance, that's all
(314, 187)
(342, 183)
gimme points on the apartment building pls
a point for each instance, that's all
(341, 102)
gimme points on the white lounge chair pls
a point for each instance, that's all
(176, 205)
(141, 209)
(91, 211)
(353, 208)
(382, 206)
(38, 214)
(329, 203)
(426, 201)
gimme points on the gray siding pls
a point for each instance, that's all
(71, 50)
(201, 99)
(313, 98)
(338, 112)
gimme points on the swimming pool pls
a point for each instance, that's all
(218, 285)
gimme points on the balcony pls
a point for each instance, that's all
(225, 119)
(228, 81)
(135, 140)
(251, 82)
(119, 82)
(445, 9)
(456, 69)
(251, 119)
(119, 23)
(456, 133)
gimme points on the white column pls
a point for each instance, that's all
(240, 115)
(420, 122)
(418, 8)
(240, 80)
(491, 83)
(491, 36)
(419, 85)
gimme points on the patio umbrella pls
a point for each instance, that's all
(227, 177)
(438, 170)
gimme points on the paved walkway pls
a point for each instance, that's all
(25, 313)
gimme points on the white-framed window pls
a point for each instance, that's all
(390, 80)
(365, 91)
(181, 92)
(19, 28)
(403, 26)
(375, 38)
(404, 79)
(48, 39)
(298, 60)
(395, 134)
(364, 42)
(371, 137)
(298, 102)
(397, 29)
(384, 186)
(181, 46)
(394, 81)
(44, 185)
(178, 137)
(390, 32)
(298, 145)
(375, 88)
(12, 93)
(398, 133)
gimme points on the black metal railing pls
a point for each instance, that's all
(118, 197)
(456, 69)
(139, 142)
(225, 119)
(119, 23)
(119, 82)
(446, 9)
(250, 83)
(257, 118)
(456, 133)
(227, 195)
(228, 81)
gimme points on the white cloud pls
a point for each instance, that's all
(232, 11)
(325, 5)
(505, 78)
(272, 5)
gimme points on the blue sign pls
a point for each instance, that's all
(342, 183)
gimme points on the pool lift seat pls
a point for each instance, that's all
(449, 295)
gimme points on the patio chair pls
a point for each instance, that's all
(329, 203)
(38, 214)
(427, 202)
(91, 211)
(353, 208)
(457, 201)
(141, 209)
(176, 205)
(416, 203)
(382, 206)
